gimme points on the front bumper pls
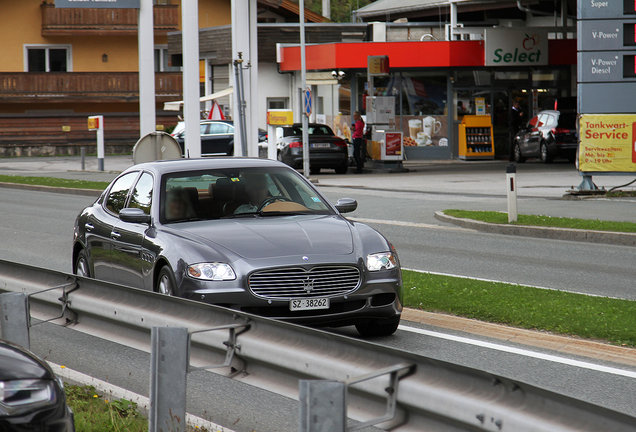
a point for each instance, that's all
(379, 295)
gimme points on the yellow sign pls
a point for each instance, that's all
(66, 128)
(607, 143)
(378, 65)
(93, 123)
(280, 118)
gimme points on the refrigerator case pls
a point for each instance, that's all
(475, 138)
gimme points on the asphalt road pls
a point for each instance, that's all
(36, 228)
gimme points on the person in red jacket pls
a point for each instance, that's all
(358, 140)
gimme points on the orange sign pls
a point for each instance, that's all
(280, 118)
(93, 123)
(378, 65)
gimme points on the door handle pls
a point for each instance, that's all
(115, 235)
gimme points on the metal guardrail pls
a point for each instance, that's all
(433, 396)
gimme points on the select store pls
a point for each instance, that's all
(443, 90)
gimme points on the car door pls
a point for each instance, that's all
(130, 260)
(534, 135)
(99, 226)
(219, 139)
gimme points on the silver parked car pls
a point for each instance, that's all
(248, 234)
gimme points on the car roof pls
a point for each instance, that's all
(176, 165)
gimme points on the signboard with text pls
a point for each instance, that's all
(280, 117)
(378, 65)
(516, 47)
(608, 143)
(107, 4)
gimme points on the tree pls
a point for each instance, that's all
(340, 9)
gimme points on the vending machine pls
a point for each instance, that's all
(475, 138)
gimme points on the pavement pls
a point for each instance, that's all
(484, 178)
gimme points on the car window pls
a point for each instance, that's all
(320, 130)
(550, 120)
(119, 191)
(218, 128)
(205, 127)
(141, 196)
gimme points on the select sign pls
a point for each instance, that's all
(516, 47)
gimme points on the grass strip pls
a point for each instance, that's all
(544, 221)
(561, 312)
(54, 182)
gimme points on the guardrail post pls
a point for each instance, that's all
(168, 369)
(15, 318)
(322, 406)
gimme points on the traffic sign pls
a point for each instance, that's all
(307, 102)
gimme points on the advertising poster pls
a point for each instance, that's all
(608, 143)
(393, 143)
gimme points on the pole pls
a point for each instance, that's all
(303, 85)
(100, 144)
(191, 109)
(511, 181)
(146, 43)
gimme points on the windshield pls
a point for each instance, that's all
(246, 192)
(311, 130)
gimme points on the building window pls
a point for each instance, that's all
(277, 103)
(52, 58)
(162, 60)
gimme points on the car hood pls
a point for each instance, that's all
(16, 363)
(271, 236)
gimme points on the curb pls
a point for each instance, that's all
(589, 236)
(562, 344)
(55, 189)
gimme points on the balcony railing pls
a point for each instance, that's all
(92, 87)
(101, 22)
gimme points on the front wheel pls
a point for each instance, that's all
(517, 154)
(378, 327)
(82, 267)
(314, 170)
(166, 283)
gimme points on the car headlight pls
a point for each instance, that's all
(20, 395)
(381, 261)
(211, 271)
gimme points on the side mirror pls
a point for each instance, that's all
(134, 215)
(346, 205)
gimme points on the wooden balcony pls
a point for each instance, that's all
(82, 87)
(103, 22)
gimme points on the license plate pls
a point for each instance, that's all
(306, 304)
(320, 145)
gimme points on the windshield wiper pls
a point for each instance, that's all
(239, 215)
(286, 213)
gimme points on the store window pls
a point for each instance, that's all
(49, 58)
(162, 60)
(277, 103)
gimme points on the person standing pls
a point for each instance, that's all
(514, 122)
(358, 140)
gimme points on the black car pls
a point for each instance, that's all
(547, 135)
(217, 137)
(31, 396)
(248, 234)
(326, 150)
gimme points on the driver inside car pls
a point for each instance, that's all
(257, 188)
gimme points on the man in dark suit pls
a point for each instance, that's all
(514, 123)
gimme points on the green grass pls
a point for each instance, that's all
(94, 413)
(562, 312)
(54, 182)
(545, 221)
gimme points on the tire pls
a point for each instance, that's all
(517, 154)
(378, 327)
(166, 283)
(230, 151)
(279, 156)
(342, 169)
(544, 153)
(314, 170)
(82, 266)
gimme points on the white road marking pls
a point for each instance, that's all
(113, 391)
(409, 224)
(522, 352)
(509, 283)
